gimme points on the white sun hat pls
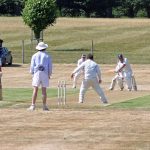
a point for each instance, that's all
(41, 46)
(83, 56)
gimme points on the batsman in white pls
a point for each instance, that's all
(41, 69)
(126, 70)
(92, 78)
(79, 73)
(118, 78)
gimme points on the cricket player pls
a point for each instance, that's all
(41, 70)
(125, 67)
(117, 79)
(92, 78)
(79, 73)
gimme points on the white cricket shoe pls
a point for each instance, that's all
(45, 108)
(106, 104)
(122, 89)
(73, 86)
(110, 89)
(31, 108)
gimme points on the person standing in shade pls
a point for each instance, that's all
(41, 69)
(92, 78)
(79, 73)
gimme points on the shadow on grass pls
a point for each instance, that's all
(13, 65)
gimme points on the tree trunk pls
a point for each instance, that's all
(148, 11)
(37, 36)
(131, 12)
(109, 12)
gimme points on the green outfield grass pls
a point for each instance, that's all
(17, 96)
(12, 96)
(140, 102)
(70, 37)
(23, 94)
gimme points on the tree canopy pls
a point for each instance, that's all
(38, 14)
(87, 8)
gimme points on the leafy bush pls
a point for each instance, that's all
(118, 12)
(39, 14)
(141, 13)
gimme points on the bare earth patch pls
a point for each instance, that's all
(76, 129)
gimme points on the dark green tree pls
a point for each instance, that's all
(70, 7)
(146, 5)
(39, 14)
(103, 8)
(11, 7)
(88, 8)
(129, 8)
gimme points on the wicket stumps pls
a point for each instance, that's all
(61, 92)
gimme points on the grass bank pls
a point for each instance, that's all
(70, 37)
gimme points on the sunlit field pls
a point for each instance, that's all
(70, 37)
(122, 125)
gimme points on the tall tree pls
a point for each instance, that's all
(39, 14)
(103, 8)
(146, 5)
(88, 8)
(70, 7)
(11, 7)
(129, 7)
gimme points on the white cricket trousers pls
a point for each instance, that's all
(76, 77)
(119, 81)
(128, 79)
(86, 83)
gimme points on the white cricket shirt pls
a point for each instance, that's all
(91, 69)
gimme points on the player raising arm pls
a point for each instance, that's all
(92, 78)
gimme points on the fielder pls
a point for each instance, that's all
(79, 73)
(126, 70)
(41, 69)
(92, 78)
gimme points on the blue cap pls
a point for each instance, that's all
(120, 56)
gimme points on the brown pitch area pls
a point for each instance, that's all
(76, 128)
